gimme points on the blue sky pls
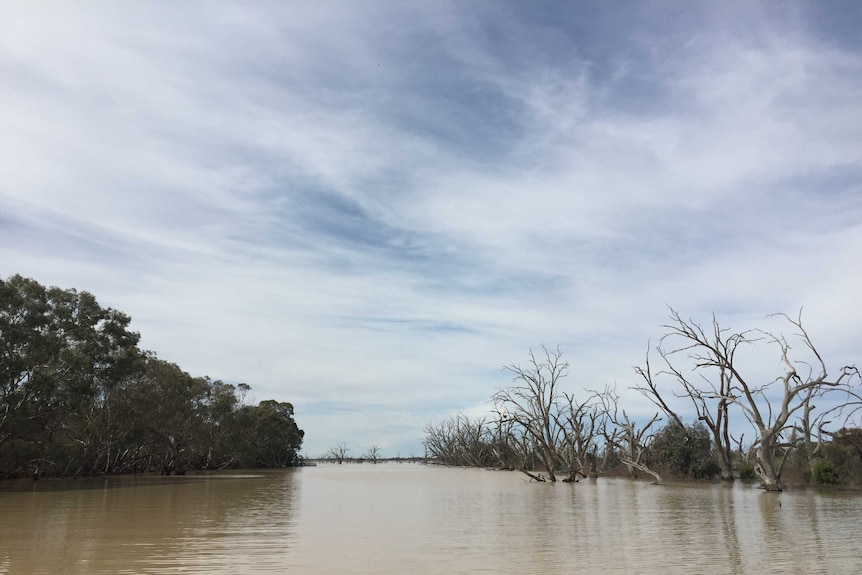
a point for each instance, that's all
(368, 208)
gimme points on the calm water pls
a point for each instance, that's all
(400, 518)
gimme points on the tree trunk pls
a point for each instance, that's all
(726, 464)
(766, 470)
(645, 469)
(592, 470)
(550, 463)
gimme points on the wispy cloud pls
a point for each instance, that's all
(368, 209)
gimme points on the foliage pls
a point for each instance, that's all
(276, 436)
(685, 451)
(850, 437)
(839, 463)
(77, 397)
(747, 472)
(823, 472)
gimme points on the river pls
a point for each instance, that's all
(404, 518)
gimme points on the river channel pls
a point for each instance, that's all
(404, 518)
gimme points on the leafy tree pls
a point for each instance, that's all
(277, 436)
(171, 427)
(77, 397)
(61, 354)
(217, 447)
(839, 462)
(851, 437)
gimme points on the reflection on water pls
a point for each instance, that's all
(204, 524)
(393, 518)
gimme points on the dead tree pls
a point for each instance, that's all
(373, 454)
(511, 449)
(709, 397)
(533, 405)
(773, 408)
(338, 452)
(583, 422)
(460, 441)
(797, 391)
(633, 444)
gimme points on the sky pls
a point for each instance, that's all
(369, 208)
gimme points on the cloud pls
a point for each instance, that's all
(367, 210)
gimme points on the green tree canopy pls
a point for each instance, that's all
(77, 396)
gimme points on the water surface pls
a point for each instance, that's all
(401, 518)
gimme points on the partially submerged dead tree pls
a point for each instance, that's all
(338, 452)
(461, 441)
(709, 397)
(584, 423)
(780, 410)
(797, 390)
(632, 442)
(373, 453)
(533, 404)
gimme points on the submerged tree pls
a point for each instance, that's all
(461, 441)
(780, 410)
(585, 423)
(277, 437)
(539, 425)
(338, 452)
(372, 454)
(534, 404)
(631, 441)
(709, 397)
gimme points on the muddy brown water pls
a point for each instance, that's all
(403, 518)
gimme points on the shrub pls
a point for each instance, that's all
(685, 451)
(746, 472)
(839, 463)
(823, 472)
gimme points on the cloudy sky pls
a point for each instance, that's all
(368, 208)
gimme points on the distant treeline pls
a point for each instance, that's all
(78, 397)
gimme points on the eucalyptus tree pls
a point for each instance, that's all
(277, 437)
(684, 451)
(77, 396)
(98, 357)
(170, 407)
(28, 355)
(221, 435)
(61, 356)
